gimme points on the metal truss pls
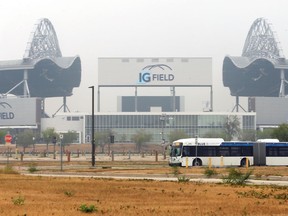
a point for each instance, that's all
(261, 41)
(43, 41)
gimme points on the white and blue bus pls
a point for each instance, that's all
(217, 152)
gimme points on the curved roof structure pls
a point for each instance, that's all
(258, 71)
(44, 70)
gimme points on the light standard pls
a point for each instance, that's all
(93, 141)
(33, 138)
(196, 150)
(61, 151)
(163, 119)
(54, 144)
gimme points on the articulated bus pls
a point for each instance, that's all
(217, 152)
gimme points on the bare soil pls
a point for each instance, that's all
(64, 196)
(38, 195)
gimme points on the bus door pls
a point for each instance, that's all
(259, 154)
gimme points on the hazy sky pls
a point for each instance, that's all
(141, 28)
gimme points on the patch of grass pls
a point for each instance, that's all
(183, 179)
(8, 169)
(18, 200)
(282, 196)
(254, 194)
(236, 177)
(69, 193)
(175, 170)
(210, 172)
(32, 168)
(87, 209)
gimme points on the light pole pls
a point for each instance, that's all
(54, 146)
(163, 119)
(33, 138)
(61, 151)
(93, 141)
(196, 150)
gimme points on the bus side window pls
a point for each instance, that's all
(223, 151)
(185, 152)
(283, 151)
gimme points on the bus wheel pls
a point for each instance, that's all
(243, 162)
(197, 162)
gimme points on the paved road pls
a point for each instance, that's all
(156, 177)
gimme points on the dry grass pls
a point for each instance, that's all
(64, 196)
(26, 195)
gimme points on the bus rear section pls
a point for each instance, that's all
(276, 154)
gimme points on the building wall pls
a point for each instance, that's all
(147, 103)
(64, 122)
(159, 125)
(16, 112)
(270, 110)
(125, 125)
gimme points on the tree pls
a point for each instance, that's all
(140, 138)
(281, 133)
(232, 127)
(48, 135)
(2, 135)
(248, 135)
(213, 134)
(265, 133)
(177, 134)
(102, 138)
(25, 139)
(69, 137)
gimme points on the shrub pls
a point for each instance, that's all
(32, 168)
(8, 169)
(87, 209)
(175, 170)
(18, 200)
(69, 193)
(183, 179)
(210, 172)
(236, 177)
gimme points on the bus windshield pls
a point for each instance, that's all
(176, 151)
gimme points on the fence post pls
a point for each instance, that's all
(209, 163)
(247, 162)
(68, 156)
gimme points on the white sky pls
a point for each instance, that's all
(141, 28)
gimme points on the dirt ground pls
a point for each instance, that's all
(23, 195)
(38, 195)
(28, 195)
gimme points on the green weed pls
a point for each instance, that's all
(18, 200)
(236, 177)
(87, 209)
(210, 172)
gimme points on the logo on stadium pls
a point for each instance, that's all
(5, 114)
(147, 76)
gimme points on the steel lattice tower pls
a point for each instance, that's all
(261, 41)
(43, 41)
